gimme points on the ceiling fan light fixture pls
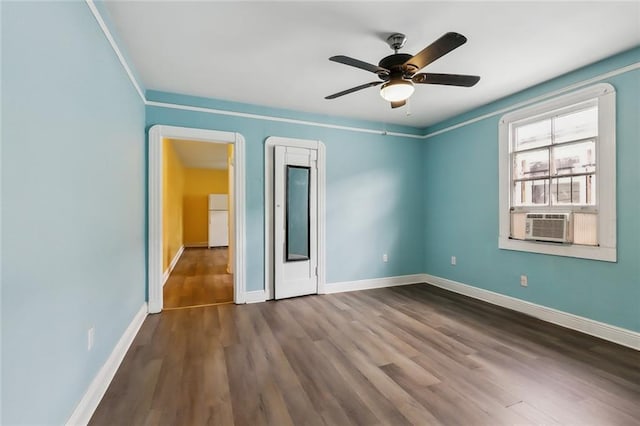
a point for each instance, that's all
(397, 90)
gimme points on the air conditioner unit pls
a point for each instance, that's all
(548, 227)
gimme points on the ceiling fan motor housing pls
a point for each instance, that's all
(394, 63)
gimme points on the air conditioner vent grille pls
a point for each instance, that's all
(555, 216)
(547, 227)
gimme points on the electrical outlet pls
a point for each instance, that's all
(385, 258)
(91, 336)
(524, 281)
(453, 260)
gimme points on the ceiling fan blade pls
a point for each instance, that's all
(437, 49)
(353, 89)
(358, 64)
(446, 79)
(398, 104)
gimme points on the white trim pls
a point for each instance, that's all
(343, 286)
(156, 134)
(155, 239)
(604, 331)
(255, 296)
(269, 145)
(239, 197)
(116, 49)
(269, 269)
(279, 119)
(606, 176)
(322, 218)
(1, 210)
(606, 254)
(172, 265)
(96, 390)
(540, 98)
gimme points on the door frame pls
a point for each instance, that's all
(155, 241)
(269, 254)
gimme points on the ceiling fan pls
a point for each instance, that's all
(399, 72)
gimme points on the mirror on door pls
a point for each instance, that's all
(297, 213)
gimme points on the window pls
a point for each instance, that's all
(557, 176)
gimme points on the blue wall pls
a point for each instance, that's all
(374, 201)
(73, 197)
(461, 181)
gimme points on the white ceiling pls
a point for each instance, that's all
(201, 155)
(276, 53)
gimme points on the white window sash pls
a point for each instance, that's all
(605, 174)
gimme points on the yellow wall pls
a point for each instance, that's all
(198, 184)
(173, 174)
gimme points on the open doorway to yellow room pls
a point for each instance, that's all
(198, 226)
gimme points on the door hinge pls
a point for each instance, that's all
(316, 271)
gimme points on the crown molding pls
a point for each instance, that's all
(427, 135)
(116, 48)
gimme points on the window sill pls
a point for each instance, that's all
(607, 254)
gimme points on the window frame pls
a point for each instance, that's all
(605, 175)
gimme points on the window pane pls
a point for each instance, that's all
(565, 191)
(577, 125)
(573, 190)
(533, 135)
(531, 193)
(531, 164)
(574, 158)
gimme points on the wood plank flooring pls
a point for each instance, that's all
(394, 356)
(199, 278)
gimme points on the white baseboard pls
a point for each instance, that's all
(340, 287)
(255, 296)
(89, 402)
(604, 331)
(172, 265)
(197, 245)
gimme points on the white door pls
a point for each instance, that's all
(295, 222)
(218, 228)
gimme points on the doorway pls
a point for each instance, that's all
(294, 217)
(197, 262)
(197, 236)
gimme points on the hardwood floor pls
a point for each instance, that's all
(199, 278)
(404, 355)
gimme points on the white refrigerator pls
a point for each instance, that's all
(218, 220)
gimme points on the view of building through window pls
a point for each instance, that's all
(553, 169)
(554, 159)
